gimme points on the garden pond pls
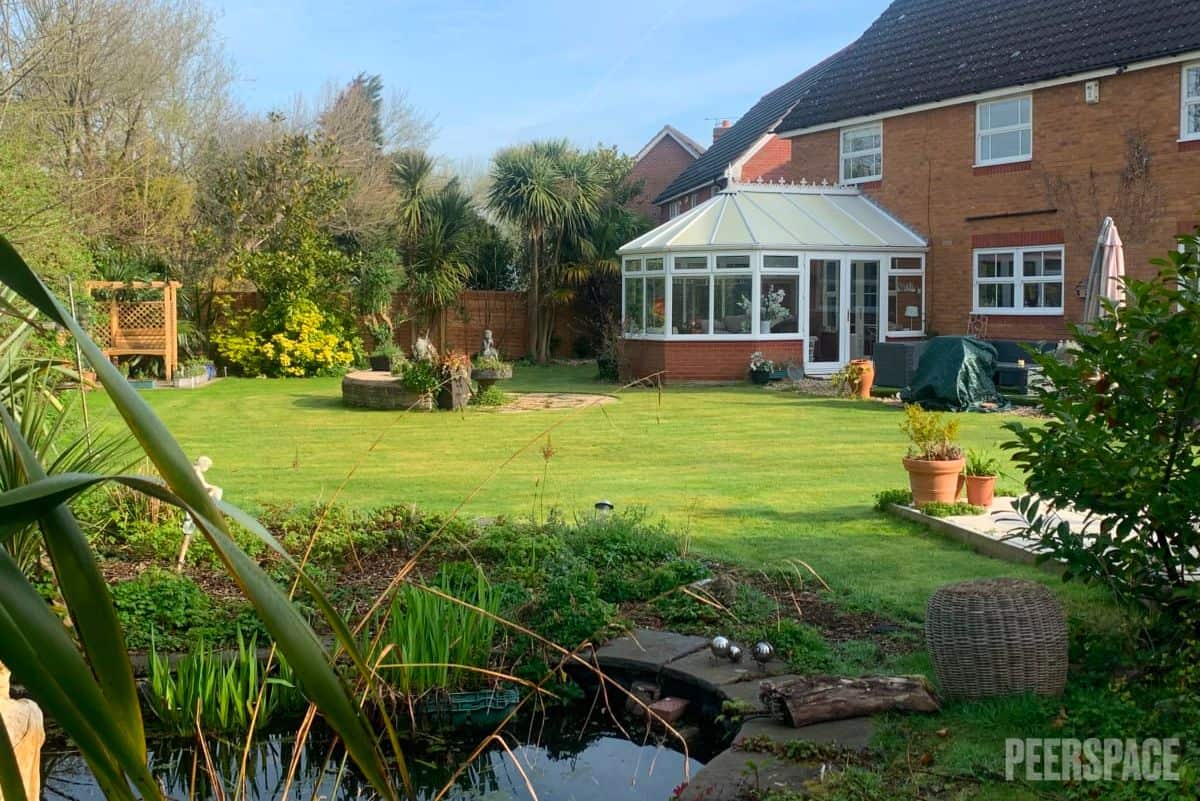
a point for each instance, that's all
(565, 755)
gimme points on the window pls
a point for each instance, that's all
(1019, 281)
(771, 263)
(906, 295)
(654, 265)
(732, 304)
(689, 305)
(673, 209)
(656, 305)
(862, 154)
(1189, 127)
(633, 265)
(779, 304)
(733, 262)
(691, 262)
(1004, 130)
(634, 294)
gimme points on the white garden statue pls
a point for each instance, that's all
(201, 467)
(27, 733)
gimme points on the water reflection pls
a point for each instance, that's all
(556, 760)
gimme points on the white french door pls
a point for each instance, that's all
(826, 313)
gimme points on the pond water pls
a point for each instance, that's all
(563, 760)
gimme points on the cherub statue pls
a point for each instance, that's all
(487, 350)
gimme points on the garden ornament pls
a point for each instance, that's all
(26, 732)
(201, 466)
(735, 653)
(720, 647)
(488, 348)
(604, 508)
(424, 351)
(762, 653)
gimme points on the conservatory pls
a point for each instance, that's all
(808, 275)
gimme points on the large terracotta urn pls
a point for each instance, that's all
(934, 480)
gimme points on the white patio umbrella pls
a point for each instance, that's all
(1106, 278)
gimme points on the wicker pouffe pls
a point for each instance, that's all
(997, 637)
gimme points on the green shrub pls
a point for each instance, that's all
(420, 378)
(798, 644)
(1122, 444)
(160, 606)
(570, 610)
(932, 434)
(218, 691)
(981, 463)
(900, 497)
(492, 396)
(291, 338)
(942, 509)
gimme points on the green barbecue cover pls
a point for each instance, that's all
(955, 375)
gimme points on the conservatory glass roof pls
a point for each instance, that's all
(780, 216)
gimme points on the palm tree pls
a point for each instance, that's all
(439, 270)
(549, 192)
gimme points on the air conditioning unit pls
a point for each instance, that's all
(1091, 92)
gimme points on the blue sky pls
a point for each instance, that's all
(492, 74)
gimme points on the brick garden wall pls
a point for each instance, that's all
(702, 361)
(1083, 157)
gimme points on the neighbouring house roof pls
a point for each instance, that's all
(761, 119)
(789, 217)
(925, 51)
(686, 142)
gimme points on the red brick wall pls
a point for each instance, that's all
(702, 361)
(1081, 157)
(663, 164)
(771, 162)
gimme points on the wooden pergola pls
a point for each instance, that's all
(141, 327)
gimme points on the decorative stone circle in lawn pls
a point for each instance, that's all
(370, 389)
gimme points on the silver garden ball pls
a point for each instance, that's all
(762, 652)
(735, 653)
(720, 646)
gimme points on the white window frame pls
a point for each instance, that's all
(1186, 101)
(980, 133)
(674, 208)
(888, 272)
(842, 154)
(1018, 281)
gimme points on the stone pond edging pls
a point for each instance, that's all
(664, 656)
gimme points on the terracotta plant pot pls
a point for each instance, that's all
(932, 481)
(866, 376)
(981, 490)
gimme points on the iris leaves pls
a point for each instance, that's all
(90, 692)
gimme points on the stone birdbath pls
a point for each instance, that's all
(489, 367)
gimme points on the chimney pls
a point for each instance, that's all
(720, 130)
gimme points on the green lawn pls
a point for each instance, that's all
(752, 476)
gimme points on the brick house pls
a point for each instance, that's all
(660, 162)
(1001, 133)
(744, 151)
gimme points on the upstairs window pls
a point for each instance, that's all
(862, 154)
(1004, 131)
(1189, 127)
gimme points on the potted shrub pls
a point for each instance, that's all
(934, 461)
(981, 471)
(381, 358)
(486, 370)
(760, 368)
(455, 386)
(855, 379)
(420, 380)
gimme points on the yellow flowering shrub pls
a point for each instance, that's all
(296, 340)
